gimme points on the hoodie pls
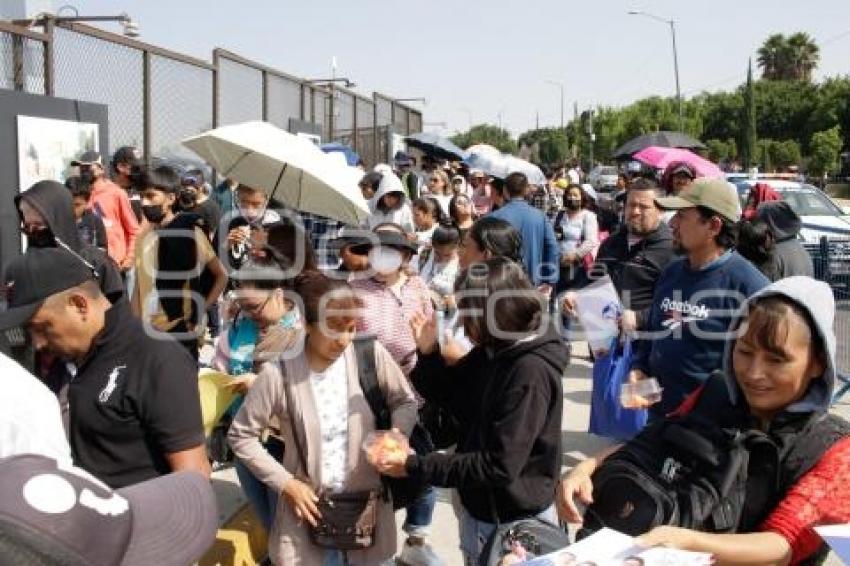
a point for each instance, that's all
(761, 192)
(53, 202)
(508, 404)
(815, 297)
(790, 257)
(401, 214)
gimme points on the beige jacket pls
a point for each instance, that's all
(289, 540)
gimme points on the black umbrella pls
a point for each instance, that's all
(662, 139)
(432, 144)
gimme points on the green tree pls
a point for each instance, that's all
(552, 145)
(719, 150)
(785, 153)
(792, 58)
(748, 122)
(773, 57)
(487, 133)
(825, 150)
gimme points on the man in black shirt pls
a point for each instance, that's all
(634, 256)
(134, 405)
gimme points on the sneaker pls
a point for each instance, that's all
(417, 552)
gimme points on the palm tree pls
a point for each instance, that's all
(772, 56)
(791, 58)
(804, 54)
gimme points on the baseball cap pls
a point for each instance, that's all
(36, 275)
(562, 183)
(52, 512)
(87, 158)
(714, 194)
(402, 159)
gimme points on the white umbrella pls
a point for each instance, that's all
(288, 167)
(532, 172)
(488, 159)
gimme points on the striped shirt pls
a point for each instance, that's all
(387, 315)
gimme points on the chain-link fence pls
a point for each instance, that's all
(156, 98)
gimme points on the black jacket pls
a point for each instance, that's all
(53, 201)
(789, 255)
(509, 407)
(634, 271)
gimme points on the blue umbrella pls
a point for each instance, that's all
(351, 156)
(432, 144)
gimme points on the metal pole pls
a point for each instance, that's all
(676, 69)
(147, 114)
(562, 106)
(48, 57)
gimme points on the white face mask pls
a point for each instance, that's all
(385, 260)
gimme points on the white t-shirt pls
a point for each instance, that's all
(330, 391)
(30, 418)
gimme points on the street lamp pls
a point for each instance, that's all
(672, 23)
(346, 82)
(561, 86)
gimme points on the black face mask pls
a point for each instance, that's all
(86, 176)
(153, 213)
(187, 199)
(573, 204)
(40, 238)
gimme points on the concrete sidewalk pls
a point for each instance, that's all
(577, 445)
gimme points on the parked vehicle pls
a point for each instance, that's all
(821, 216)
(603, 176)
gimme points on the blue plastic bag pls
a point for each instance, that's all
(607, 416)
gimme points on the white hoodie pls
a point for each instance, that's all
(400, 215)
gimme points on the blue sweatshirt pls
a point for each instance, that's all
(687, 325)
(540, 254)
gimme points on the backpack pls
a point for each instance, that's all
(705, 470)
(404, 491)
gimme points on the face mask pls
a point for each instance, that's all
(40, 238)
(573, 203)
(187, 199)
(385, 260)
(153, 213)
(86, 176)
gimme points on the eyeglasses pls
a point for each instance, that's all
(253, 309)
(434, 180)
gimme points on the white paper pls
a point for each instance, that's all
(611, 548)
(599, 310)
(838, 538)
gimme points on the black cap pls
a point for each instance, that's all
(127, 154)
(56, 513)
(352, 236)
(36, 275)
(402, 159)
(393, 239)
(87, 158)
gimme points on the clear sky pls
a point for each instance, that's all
(477, 60)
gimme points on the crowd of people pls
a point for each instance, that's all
(444, 321)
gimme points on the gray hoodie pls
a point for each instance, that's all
(816, 298)
(790, 257)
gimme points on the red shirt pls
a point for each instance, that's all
(821, 497)
(111, 203)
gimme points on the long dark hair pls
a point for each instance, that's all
(319, 292)
(498, 299)
(498, 237)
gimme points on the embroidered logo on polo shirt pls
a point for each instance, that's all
(106, 392)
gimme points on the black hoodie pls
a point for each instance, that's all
(53, 201)
(509, 406)
(790, 257)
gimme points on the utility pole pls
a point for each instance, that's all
(537, 120)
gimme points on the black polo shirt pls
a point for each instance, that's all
(133, 400)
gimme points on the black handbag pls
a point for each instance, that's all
(348, 520)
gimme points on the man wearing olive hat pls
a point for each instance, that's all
(696, 295)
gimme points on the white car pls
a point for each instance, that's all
(821, 216)
(603, 176)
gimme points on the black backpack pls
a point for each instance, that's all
(706, 470)
(690, 471)
(404, 491)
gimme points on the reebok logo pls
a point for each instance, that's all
(684, 308)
